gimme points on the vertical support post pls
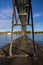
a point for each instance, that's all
(10, 50)
(33, 32)
(23, 22)
(11, 42)
(29, 12)
(14, 14)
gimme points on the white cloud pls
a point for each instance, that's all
(5, 13)
(5, 19)
(5, 24)
(37, 15)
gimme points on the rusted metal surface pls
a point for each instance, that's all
(27, 10)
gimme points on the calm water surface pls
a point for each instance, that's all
(38, 38)
(5, 39)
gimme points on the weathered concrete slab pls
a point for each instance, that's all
(22, 46)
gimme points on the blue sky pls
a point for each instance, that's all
(6, 15)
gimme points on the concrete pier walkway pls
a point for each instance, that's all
(23, 46)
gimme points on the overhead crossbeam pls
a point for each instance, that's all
(22, 24)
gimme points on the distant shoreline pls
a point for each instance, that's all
(28, 32)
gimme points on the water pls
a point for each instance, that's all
(5, 39)
(38, 38)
